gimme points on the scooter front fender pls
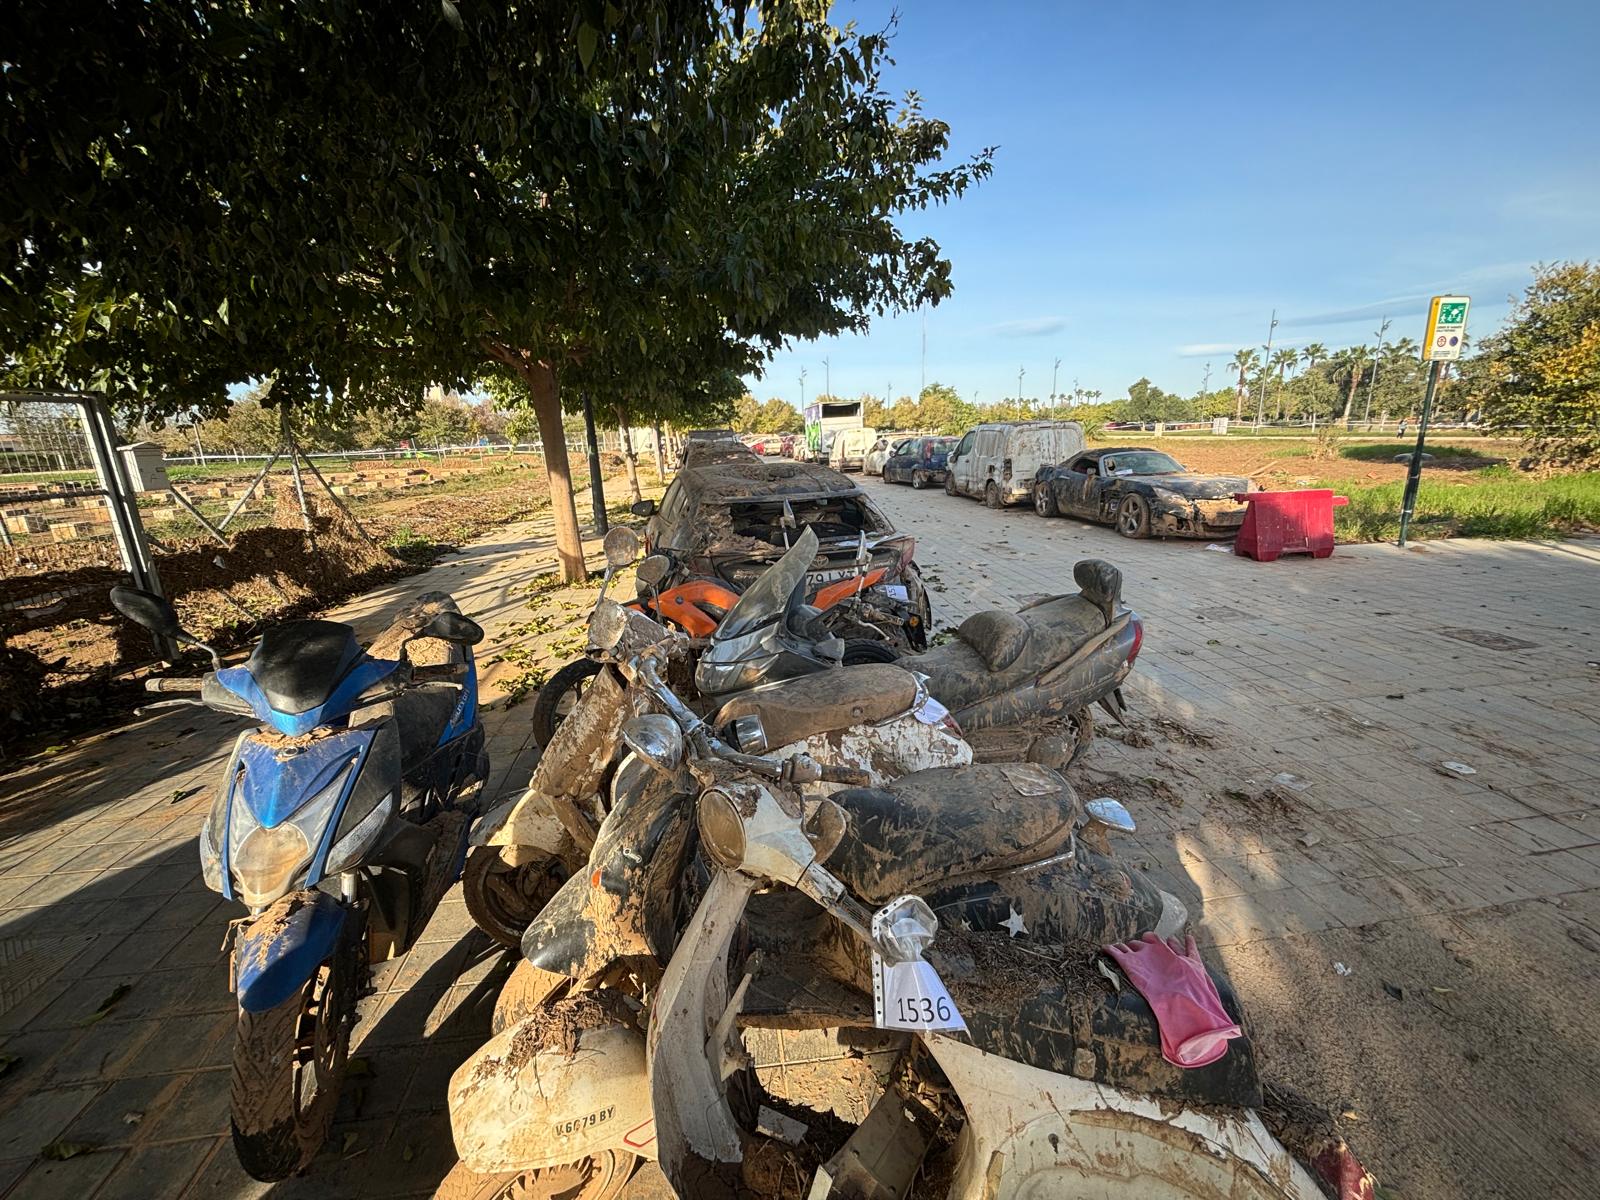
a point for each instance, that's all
(277, 952)
(518, 1109)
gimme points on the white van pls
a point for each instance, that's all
(849, 449)
(996, 462)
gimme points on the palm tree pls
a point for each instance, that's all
(1282, 359)
(1354, 360)
(1244, 361)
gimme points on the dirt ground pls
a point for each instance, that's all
(1448, 1015)
(1288, 461)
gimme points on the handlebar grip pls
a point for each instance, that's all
(174, 685)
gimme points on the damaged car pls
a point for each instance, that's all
(1142, 493)
(728, 516)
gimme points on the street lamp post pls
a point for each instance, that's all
(827, 377)
(1377, 357)
(1021, 371)
(1055, 373)
(1261, 396)
(802, 390)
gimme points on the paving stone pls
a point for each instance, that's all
(70, 1180)
(37, 1120)
(155, 1172)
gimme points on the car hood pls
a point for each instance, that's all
(1196, 487)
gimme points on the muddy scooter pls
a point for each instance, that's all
(341, 821)
(619, 1037)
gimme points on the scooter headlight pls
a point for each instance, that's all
(267, 861)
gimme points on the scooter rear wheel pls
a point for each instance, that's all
(600, 1177)
(503, 900)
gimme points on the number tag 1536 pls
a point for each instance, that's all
(910, 995)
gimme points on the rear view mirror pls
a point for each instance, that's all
(607, 624)
(643, 508)
(653, 570)
(453, 627)
(621, 546)
(154, 612)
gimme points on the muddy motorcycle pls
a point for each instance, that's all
(341, 823)
(620, 1038)
(877, 719)
(1020, 685)
(869, 613)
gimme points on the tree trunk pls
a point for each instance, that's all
(540, 377)
(661, 467)
(1350, 396)
(629, 458)
(1238, 398)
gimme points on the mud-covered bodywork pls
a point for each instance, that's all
(1093, 486)
(730, 515)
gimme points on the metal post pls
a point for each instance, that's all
(597, 491)
(1266, 360)
(1377, 357)
(1414, 476)
(123, 507)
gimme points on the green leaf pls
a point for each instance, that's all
(60, 1151)
(588, 42)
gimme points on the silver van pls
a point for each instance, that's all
(996, 462)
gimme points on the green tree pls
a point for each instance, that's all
(1281, 361)
(1350, 364)
(357, 200)
(779, 416)
(1538, 378)
(746, 413)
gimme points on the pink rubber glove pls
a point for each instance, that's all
(1195, 1028)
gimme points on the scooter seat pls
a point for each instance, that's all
(996, 651)
(794, 709)
(298, 664)
(933, 827)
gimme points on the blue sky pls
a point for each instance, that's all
(1167, 173)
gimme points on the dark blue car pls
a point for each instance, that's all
(920, 462)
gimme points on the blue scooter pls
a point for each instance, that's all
(341, 823)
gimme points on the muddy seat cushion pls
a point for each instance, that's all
(825, 702)
(998, 637)
(949, 823)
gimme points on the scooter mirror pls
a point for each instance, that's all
(1113, 814)
(154, 612)
(621, 546)
(607, 624)
(657, 739)
(643, 508)
(453, 627)
(654, 569)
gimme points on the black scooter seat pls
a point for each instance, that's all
(950, 823)
(996, 651)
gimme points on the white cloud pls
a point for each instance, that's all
(1201, 349)
(1030, 327)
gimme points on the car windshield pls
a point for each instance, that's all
(1140, 462)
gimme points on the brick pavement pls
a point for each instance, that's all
(1290, 667)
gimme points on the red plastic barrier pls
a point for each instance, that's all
(1287, 523)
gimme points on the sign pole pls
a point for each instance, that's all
(1414, 475)
(1444, 341)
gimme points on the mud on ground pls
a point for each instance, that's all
(1457, 1051)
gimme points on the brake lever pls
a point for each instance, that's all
(150, 708)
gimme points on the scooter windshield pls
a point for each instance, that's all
(771, 596)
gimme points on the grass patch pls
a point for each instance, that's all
(1498, 503)
(1385, 451)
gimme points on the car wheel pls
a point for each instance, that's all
(1044, 501)
(950, 483)
(919, 480)
(1133, 517)
(991, 495)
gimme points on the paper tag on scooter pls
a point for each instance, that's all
(910, 995)
(930, 711)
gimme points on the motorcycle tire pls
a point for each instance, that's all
(599, 1177)
(277, 1054)
(868, 650)
(558, 695)
(503, 900)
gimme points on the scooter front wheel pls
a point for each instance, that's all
(600, 1177)
(503, 900)
(288, 1067)
(560, 696)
